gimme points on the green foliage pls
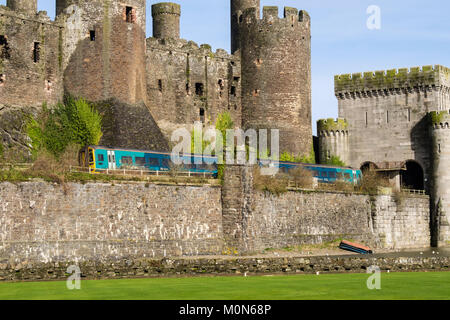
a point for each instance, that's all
(335, 161)
(223, 123)
(289, 157)
(74, 122)
(332, 125)
(437, 117)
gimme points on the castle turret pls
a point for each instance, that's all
(333, 140)
(28, 6)
(237, 9)
(276, 76)
(166, 20)
(440, 216)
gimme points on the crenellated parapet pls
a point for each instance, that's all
(332, 126)
(392, 81)
(292, 18)
(440, 119)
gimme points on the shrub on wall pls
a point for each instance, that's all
(335, 161)
(75, 122)
(223, 123)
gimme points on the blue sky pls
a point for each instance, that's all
(413, 33)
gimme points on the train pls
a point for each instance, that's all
(100, 158)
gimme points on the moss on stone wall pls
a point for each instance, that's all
(379, 80)
(437, 117)
(332, 124)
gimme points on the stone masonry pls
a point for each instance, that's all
(395, 121)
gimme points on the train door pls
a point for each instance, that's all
(112, 160)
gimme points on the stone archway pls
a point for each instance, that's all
(368, 166)
(413, 176)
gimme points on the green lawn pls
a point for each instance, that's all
(424, 285)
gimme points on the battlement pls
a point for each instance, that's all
(188, 47)
(166, 8)
(292, 16)
(40, 17)
(392, 79)
(327, 125)
(440, 119)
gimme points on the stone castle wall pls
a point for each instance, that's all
(387, 112)
(30, 58)
(105, 50)
(187, 83)
(43, 222)
(297, 218)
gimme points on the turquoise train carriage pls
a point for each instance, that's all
(321, 173)
(100, 159)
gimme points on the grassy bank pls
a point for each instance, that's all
(394, 286)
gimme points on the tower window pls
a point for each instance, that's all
(202, 115)
(4, 48)
(130, 15)
(188, 89)
(37, 52)
(199, 89)
(233, 91)
(92, 35)
(2, 80)
(160, 86)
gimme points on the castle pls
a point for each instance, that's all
(395, 121)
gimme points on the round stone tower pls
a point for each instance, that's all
(166, 20)
(104, 49)
(276, 76)
(333, 140)
(440, 191)
(237, 9)
(28, 6)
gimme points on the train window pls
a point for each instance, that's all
(347, 176)
(153, 162)
(332, 175)
(91, 156)
(323, 174)
(127, 160)
(101, 158)
(140, 161)
(166, 163)
(316, 173)
(340, 176)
